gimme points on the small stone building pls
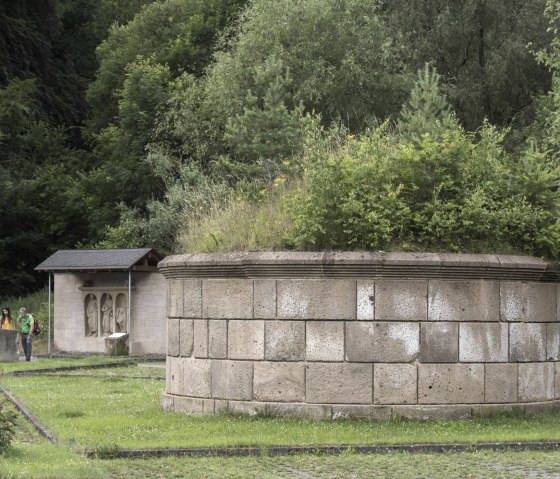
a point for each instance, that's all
(100, 292)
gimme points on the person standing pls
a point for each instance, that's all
(7, 322)
(26, 322)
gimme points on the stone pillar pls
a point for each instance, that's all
(8, 345)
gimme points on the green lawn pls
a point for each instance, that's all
(45, 363)
(104, 412)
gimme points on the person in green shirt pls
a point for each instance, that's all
(26, 322)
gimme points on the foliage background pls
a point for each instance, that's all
(265, 124)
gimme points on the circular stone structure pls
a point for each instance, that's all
(330, 335)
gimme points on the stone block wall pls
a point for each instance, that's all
(321, 335)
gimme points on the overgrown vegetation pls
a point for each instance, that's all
(133, 123)
(7, 427)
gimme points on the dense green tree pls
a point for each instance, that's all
(481, 50)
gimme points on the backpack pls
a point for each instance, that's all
(36, 327)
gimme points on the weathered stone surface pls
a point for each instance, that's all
(232, 379)
(217, 338)
(439, 342)
(279, 382)
(227, 299)
(450, 383)
(325, 341)
(167, 402)
(557, 380)
(343, 383)
(251, 408)
(315, 411)
(483, 342)
(200, 338)
(553, 341)
(377, 413)
(186, 337)
(488, 410)
(536, 382)
(175, 298)
(381, 341)
(528, 301)
(527, 342)
(116, 344)
(395, 384)
(174, 375)
(432, 412)
(500, 383)
(8, 345)
(463, 300)
(365, 300)
(265, 299)
(284, 340)
(397, 300)
(194, 406)
(316, 299)
(246, 339)
(197, 378)
(172, 337)
(192, 298)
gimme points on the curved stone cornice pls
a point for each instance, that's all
(359, 265)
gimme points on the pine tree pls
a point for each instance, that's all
(427, 111)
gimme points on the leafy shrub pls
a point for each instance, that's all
(7, 427)
(454, 193)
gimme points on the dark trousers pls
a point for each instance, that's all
(26, 346)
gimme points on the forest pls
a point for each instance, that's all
(226, 125)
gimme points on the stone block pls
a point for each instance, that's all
(528, 301)
(279, 382)
(398, 300)
(395, 384)
(8, 345)
(249, 408)
(500, 383)
(217, 338)
(553, 341)
(439, 342)
(194, 406)
(246, 339)
(174, 375)
(186, 337)
(489, 410)
(357, 411)
(173, 337)
(200, 328)
(365, 300)
(197, 378)
(450, 383)
(175, 298)
(227, 299)
(325, 341)
(343, 383)
(382, 341)
(557, 380)
(483, 342)
(192, 303)
(232, 380)
(432, 412)
(527, 342)
(540, 408)
(536, 382)
(313, 411)
(265, 299)
(463, 300)
(316, 299)
(116, 344)
(167, 402)
(284, 340)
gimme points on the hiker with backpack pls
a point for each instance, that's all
(26, 321)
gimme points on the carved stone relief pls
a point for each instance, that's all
(105, 312)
